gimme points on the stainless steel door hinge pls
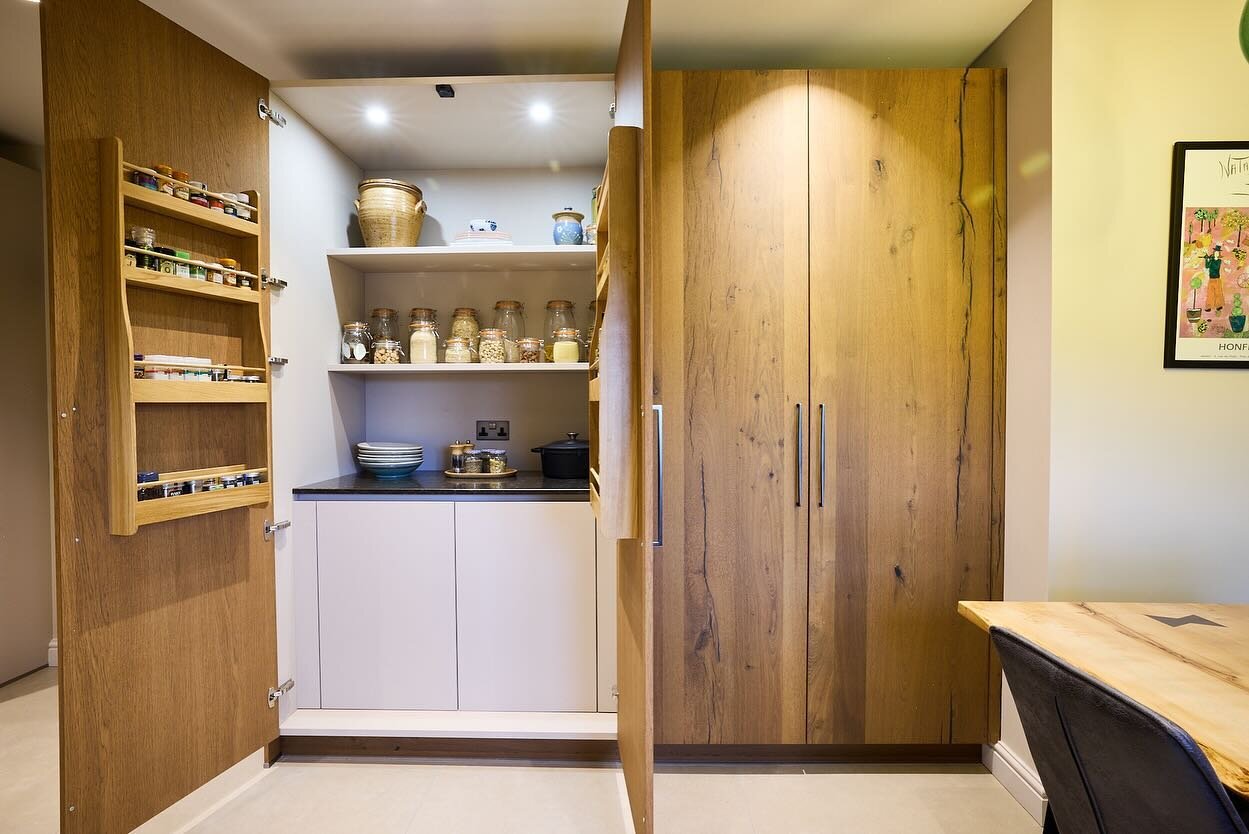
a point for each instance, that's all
(272, 527)
(267, 113)
(275, 694)
(615, 692)
(266, 280)
(278, 360)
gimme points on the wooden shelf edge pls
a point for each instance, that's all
(183, 391)
(452, 368)
(159, 510)
(148, 279)
(161, 203)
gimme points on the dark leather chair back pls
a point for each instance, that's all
(1109, 765)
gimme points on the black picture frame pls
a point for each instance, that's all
(1175, 253)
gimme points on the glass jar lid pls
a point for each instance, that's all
(565, 333)
(529, 342)
(559, 304)
(508, 305)
(387, 343)
(421, 325)
(457, 342)
(464, 312)
(491, 333)
(423, 313)
(382, 312)
(355, 325)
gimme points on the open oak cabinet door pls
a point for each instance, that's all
(627, 512)
(167, 632)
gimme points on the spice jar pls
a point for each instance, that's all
(216, 273)
(180, 269)
(530, 349)
(229, 272)
(387, 351)
(355, 343)
(199, 270)
(164, 185)
(180, 188)
(216, 204)
(473, 462)
(458, 352)
(422, 343)
(492, 347)
(509, 316)
(567, 347)
(144, 177)
(164, 265)
(197, 193)
(383, 324)
(464, 325)
(228, 204)
(242, 212)
(142, 236)
(559, 315)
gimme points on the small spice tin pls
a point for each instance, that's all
(197, 193)
(130, 258)
(216, 205)
(164, 184)
(165, 266)
(180, 269)
(180, 189)
(145, 178)
(228, 206)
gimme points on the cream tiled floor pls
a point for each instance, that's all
(29, 757)
(407, 798)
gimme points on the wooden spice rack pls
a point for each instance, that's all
(614, 351)
(172, 425)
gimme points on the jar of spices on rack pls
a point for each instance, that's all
(229, 272)
(492, 348)
(422, 343)
(164, 183)
(567, 347)
(198, 193)
(509, 316)
(559, 315)
(458, 352)
(530, 349)
(464, 325)
(181, 269)
(164, 265)
(228, 200)
(242, 211)
(356, 343)
(181, 189)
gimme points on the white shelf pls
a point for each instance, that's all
(377, 723)
(394, 260)
(451, 368)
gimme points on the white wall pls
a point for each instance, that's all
(520, 200)
(26, 623)
(1149, 496)
(316, 416)
(1024, 49)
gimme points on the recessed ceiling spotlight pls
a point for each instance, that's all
(377, 115)
(540, 112)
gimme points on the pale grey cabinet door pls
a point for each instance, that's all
(525, 590)
(386, 580)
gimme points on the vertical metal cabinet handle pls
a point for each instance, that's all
(798, 484)
(822, 451)
(658, 541)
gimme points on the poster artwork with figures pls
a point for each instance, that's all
(1208, 278)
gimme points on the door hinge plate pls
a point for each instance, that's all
(275, 694)
(272, 527)
(267, 280)
(278, 360)
(267, 113)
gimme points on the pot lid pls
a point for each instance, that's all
(571, 444)
(568, 212)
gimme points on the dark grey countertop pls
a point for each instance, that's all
(436, 483)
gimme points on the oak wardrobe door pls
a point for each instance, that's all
(167, 628)
(905, 283)
(731, 347)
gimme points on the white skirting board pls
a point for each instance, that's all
(449, 724)
(53, 657)
(195, 807)
(1018, 779)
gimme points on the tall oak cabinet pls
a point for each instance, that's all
(829, 332)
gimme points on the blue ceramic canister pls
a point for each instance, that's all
(568, 230)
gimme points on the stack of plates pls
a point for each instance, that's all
(389, 460)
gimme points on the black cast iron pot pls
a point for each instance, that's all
(565, 459)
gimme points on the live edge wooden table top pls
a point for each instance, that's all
(1186, 662)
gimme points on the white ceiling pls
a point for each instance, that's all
(302, 39)
(486, 125)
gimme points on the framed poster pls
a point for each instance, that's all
(1208, 277)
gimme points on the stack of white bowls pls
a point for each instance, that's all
(389, 460)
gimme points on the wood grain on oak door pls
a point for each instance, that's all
(731, 368)
(904, 231)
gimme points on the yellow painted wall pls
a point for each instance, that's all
(1149, 467)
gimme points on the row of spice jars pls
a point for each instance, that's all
(142, 252)
(480, 462)
(194, 485)
(505, 342)
(175, 183)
